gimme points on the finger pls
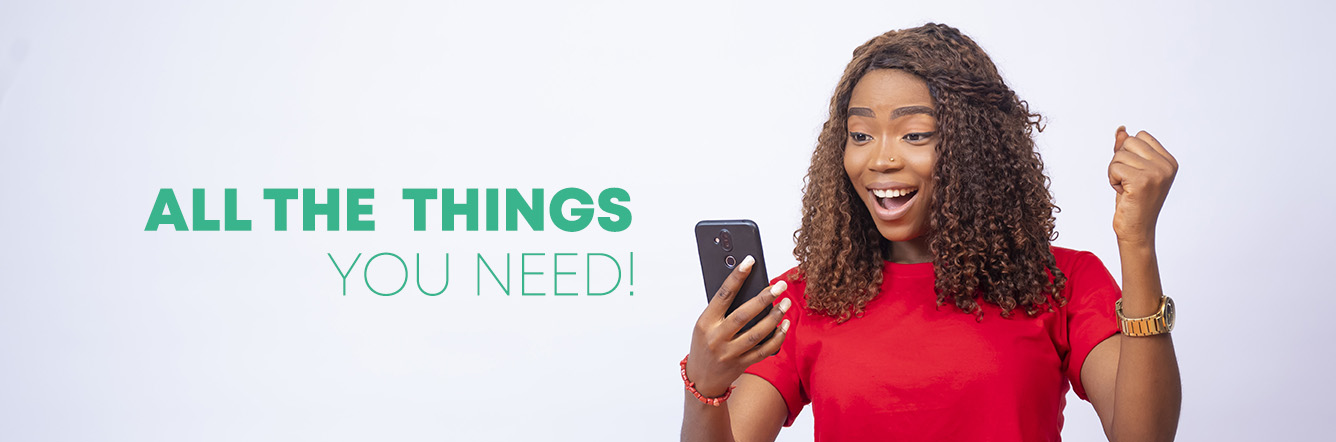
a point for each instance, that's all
(1119, 174)
(769, 348)
(744, 314)
(761, 330)
(1132, 158)
(1123, 166)
(1115, 179)
(1143, 149)
(1155, 144)
(1118, 136)
(714, 312)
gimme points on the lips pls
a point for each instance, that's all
(893, 203)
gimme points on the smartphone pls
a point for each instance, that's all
(722, 245)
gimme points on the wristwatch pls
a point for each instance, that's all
(1159, 323)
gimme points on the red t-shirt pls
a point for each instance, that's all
(910, 370)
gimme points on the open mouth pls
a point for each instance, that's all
(894, 199)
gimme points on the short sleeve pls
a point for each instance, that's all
(1091, 294)
(781, 370)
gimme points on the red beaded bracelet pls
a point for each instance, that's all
(691, 386)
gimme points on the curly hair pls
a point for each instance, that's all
(991, 213)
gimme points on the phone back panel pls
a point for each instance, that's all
(718, 258)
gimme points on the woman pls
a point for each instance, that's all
(928, 303)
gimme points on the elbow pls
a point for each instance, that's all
(1164, 433)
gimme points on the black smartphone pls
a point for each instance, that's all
(722, 245)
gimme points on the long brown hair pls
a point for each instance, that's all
(992, 214)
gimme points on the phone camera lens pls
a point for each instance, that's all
(725, 240)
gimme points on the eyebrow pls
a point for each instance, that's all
(897, 113)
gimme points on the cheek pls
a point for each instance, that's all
(852, 164)
(924, 160)
(924, 164)
(927, 169)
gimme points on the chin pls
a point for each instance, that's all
(900, 233)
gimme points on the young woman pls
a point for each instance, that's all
(928, 303)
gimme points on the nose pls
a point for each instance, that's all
(885, 157)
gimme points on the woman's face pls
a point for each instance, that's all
(891, 150)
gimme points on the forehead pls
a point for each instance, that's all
(889, 89)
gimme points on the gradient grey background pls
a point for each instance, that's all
(108, 332)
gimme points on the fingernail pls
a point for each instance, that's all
(747, 263)
(784, 305)
(784, 326)
(1121, 129)
(778, 288)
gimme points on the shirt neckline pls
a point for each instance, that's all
(918, 270)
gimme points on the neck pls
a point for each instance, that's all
(913, 251)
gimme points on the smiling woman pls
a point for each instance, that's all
(930, 302)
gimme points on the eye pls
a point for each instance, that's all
(859, 137)
(918, 137)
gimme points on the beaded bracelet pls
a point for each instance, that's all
(691, 386)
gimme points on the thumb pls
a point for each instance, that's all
(1119, 136)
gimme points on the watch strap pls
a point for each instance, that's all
(1159, 323)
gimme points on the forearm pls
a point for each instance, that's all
(1148, 392)
(704, 422)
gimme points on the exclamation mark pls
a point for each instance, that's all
(633, 274)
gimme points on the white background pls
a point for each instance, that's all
(698, 109)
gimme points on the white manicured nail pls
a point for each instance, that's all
(778, 288)
(784, 305)
(747, 263)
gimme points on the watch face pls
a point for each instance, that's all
(1169, 312)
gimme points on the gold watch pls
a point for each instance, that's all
(1159, 323)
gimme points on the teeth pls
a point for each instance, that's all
(891, 193)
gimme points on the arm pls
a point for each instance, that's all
(1133, 382)
(755, 411)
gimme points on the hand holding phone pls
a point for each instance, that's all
(721, 347)
(722, 245)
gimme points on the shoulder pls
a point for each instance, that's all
(1088, 280)
(1076, 261)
